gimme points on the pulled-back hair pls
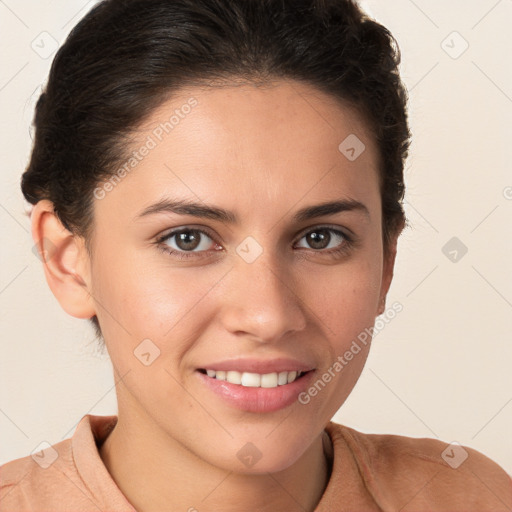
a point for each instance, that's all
(126, 57)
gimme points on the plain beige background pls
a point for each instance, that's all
(440, 368)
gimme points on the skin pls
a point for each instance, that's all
(263, 153)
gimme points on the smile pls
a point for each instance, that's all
(255, 380)
(256, 392)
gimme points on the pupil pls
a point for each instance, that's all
(183, 240)
(318, 238)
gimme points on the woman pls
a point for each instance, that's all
(217, 185)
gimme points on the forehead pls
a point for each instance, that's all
(254, 145)
(255, 113)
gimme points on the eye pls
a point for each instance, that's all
(190, 242)
(182, 241)
(323, 238)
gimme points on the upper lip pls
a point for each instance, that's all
(259, 365)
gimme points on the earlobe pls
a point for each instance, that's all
(65, 261)
(382, 305)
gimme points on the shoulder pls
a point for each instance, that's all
(63, 475)
(426, 474)
(37, 474)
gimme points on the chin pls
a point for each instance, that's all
(263, 455)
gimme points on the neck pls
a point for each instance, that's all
(156, 473)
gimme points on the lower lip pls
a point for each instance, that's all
(257, 399)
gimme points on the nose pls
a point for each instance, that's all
(261, 300)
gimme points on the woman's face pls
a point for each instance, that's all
(261, 281)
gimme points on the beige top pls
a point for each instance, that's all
(370, 472)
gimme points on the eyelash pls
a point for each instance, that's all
(346, 245)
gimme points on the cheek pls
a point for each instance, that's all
(349, 307)
(147, 300)
(346, 299)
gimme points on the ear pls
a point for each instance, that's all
(65, 261)
(387, 271)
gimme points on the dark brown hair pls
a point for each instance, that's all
(125, 57)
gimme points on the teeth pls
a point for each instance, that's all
(251, 380)
(269, 380)
(234, 377)
(282, 378)
(255, 380)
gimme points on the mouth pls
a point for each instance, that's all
(256, 392)
(254, 380)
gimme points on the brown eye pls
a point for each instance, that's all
(325, 238)
(318, 239)
(186, 240)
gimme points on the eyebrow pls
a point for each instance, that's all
(186, 207)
